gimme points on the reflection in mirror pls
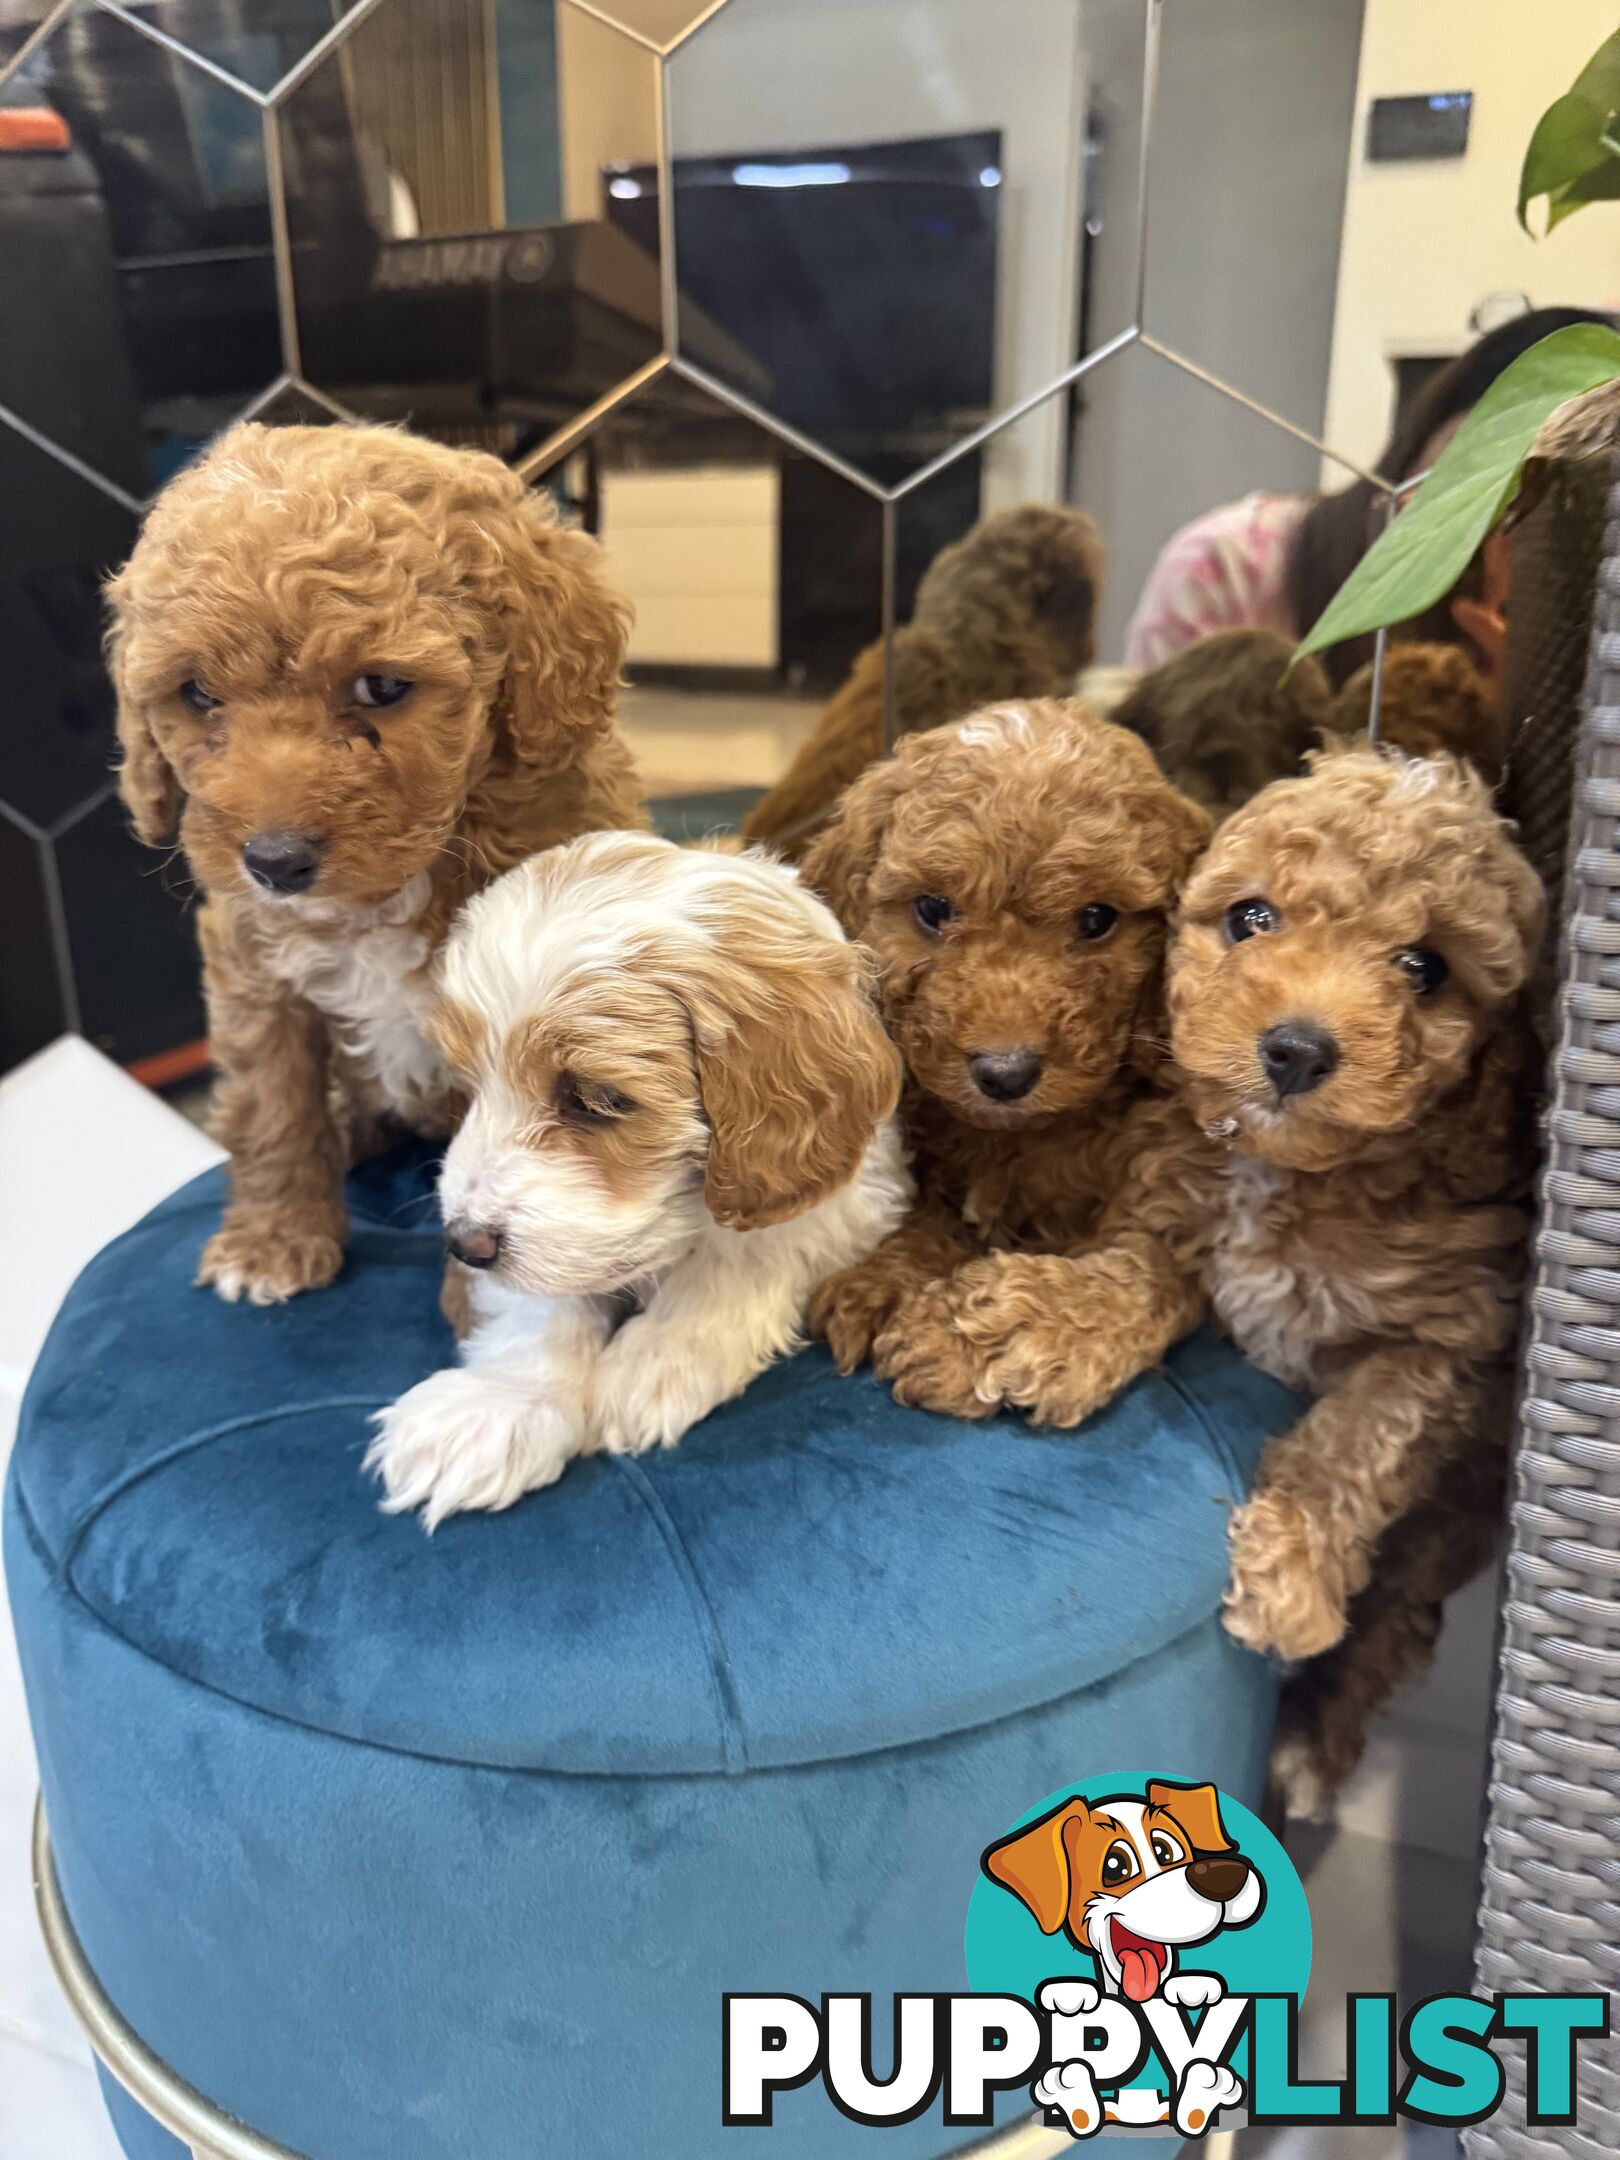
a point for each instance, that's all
(996, 598)
(150, 229)
(254, 41)
(93, 939)
(881, 206)
(447, 169)
(756, 576)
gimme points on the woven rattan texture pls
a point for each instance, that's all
(1550, 1906)
(1556, 551)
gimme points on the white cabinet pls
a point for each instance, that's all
(697, 551)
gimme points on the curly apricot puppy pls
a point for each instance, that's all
(1007, 611)
(1346, 1000)
(1013, 875)
(364, 674)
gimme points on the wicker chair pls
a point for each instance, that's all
(1550, 1907)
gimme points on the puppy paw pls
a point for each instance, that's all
(1193, 1990)
(1306, 1794)
(1287, 1594)
(1204, 2090)
(923, 1356)
(851, 1308)
(266, 1264)
(1070, 2090)
(644, 1395)
(1068, 1998)
(1012, 1317)
(463, 1439)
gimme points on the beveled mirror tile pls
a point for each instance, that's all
(59, 536)
(448, 171)
(256, 41)
(887, 210)
(1267, 88)
(151, 236)
(756, 577)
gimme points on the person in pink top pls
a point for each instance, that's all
(1273, 562)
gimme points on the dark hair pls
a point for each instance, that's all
(1338, 529)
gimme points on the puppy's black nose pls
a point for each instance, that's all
(283, 862)
(1004, 1075)
(472, 1244)
(1298, 1056)
(1219, 1876)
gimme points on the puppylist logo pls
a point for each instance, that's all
(1137, 1952)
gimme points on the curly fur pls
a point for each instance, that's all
(283, 566)
(680, 1092)
(1226, 716)
(1364, 1240)
(1022, 817)
(1434, 699)
(1008, 611)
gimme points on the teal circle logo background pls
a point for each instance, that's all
(1008, 1955)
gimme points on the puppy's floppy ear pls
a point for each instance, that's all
(796, 1086)
(562, 625)
(1198, 1810)
(1034, 1864)
(844, 854)
(146, 780)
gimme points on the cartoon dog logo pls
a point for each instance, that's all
(1136, 1879)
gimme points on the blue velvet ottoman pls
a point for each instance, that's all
(410, 1849)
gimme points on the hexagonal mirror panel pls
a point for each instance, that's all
(93, 941)
(143, 215)
(448, 179)
(1269, 89)
(756, 577)
(256, 42)
(890, 211)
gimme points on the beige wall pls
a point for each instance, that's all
(1425, 243)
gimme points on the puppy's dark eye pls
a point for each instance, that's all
(1423, 969)
(1250, 918)
(1166, 1851)
(1119, 1865)
(374, 693)
(590, 1102)
(933, 912)
(1094, 923)
(198, 699)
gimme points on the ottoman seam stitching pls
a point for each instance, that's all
(1228, 1460)
(544, 1770)
(245, 1423)
(727, 1708)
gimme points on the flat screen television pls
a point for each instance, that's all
(860, 279)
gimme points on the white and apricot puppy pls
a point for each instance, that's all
(681, 1121)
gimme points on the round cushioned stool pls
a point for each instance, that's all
(410, 1849)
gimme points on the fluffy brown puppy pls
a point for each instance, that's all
(1008, 611)
(1434, 698)
(1013, 874)
(1347, 995)
(363, 674)
(1225, 717)
(1346, 1001)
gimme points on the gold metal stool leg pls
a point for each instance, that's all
(207, 2130)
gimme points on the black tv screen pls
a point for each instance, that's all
(861, 281)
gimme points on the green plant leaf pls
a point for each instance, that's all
(1419, 557)
(1571, 137)
(1601, 184)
